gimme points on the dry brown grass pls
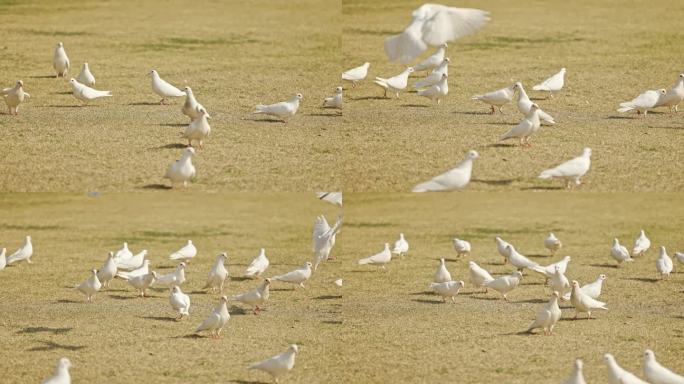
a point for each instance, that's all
(121, 338)
(612, 52)
(400, 332)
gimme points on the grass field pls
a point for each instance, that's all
(233, 54)
(402, 333)
(612, 51)
(121, 338)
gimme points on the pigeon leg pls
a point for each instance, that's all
(501, 109)
(353, 84)
(492, 112)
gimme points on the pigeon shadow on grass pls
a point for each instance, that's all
(369, 98)
(249, 382)
(501, 145)
(446, 259)
(542, 188)
(643, 279)
(334, 322)
(158, 318)
(144, 103)
(240, 278)
(620, 117)
(172, 125)
(156, 186)
(415, 105)
(488, 298)
(54, 331)
(68, 301)
(495, 182)
(531, 301)
(421, 293)
(426, 301)
(49, 346)
(606, 265)
(472, 112)
(43, 77)
(122, 297)
(328, 297)
(172, 146)
(325, 114)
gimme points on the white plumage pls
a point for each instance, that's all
(505, 284)
(456, 178)
(356, 74)
(641, 244)
(323, 237)
(60, 61)
(518, 260)
(527, 127)
(433, 24)
(23, 253)
(656, 373)
(90, 286)
(163, 88)
(218, 274)
(497, 98)
(143, 270)
(258, 265)
(617, 375)
(643, 102)
(674, 95)
(550, 269)
(199, 128)
(552, 244)
(256, 296)
(191, 107)
(524, 104)
(297, 276)
(177, 277)
(380, 259)
(282, 110)
(582, 302)
(142, 282)
(433, 60)
(447, 289)
(553, 83)
(401, 246)
(278, 365)
(547, 316)
(85, 93)
(218, 318)
(435, 76)
(571, 170)
(462, 247)
(85, 76)
(437, 91)
(180, 302)
(619, 252)
(182, 170)
(14, 96)
(185, 253)
(396, 83)
(335, 101)
(107, 272)
(442, 274)
(131, 263)
(577, 376)
(478, 275)
(61, 375)
(664, 264)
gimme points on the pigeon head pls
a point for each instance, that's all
(575, 284)
(602, 276)
(187, 89)
(175, 289)
(446, 60)
(85, 66)
(534, 106)
(267, 281)
(562, 70)
(444, 45)
(73, 81)
(94, 271)
(558, 269)
(461, 283)
(586, 152)
(294, 348)
(308, 264)
(662, 91)
(154, 274)
(60, 44)
(444, 75)
(28, 239)
(300, 96)
(110, 255)
(518, 274)
(555, 294)
(224, 299)
(401, 235)
(410, 70)
(386, 245)
(567, 258)
(64, 363)
(338, 90)
(181, 266)
(20, 83)
(223, 255)
(366, 64)
(472, 263)
(649, 355)
(472, 155)
(189, 151)
(608, 358)
(681, 75)
(517, 85)
(153, 73)
(125, 245)
(579, 364)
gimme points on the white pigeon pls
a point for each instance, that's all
(297, 276)
(278, 365)
(396, 83)
(502, 248)
(577, 376)
(107, 272)
(85, 93)
(505, 284)
(182, 170)
(90, 286)
(256, 296)
(164, 89)
(478, 275)
(643, 102)
(524, 104)
(617, 375)
(218, 274)
(552, 244)
(497, 98)
(447, 289)
(338, 283)
(592, 289)
(177, 277)
(330, 197)
(559, 283)
(518, 260)
(457, 178)
(283, 110)
(664, 264)
(199, 128)
(380, 259)
(435, 76)
(218, 318)
(61, 375)
(641, 244)
(258, 265)
(23, 253)
(619, 252)
(433, 60)
(14, 96)
(401, 246)
(356, 74)
(131, 263)
(527, 127)
(185, 253)
(550, 269)
(433, 24)
(335, 101)
(552, 84)
(656, 373)
(324, 239)
(674, 95)
(442, 274)
(143, 270)
(60, 62)
(582, 302)
(180, 302)
(3, 259)
(191, 107)
(462, 247)
(547, 316)
(86, 77)
(677, 255)
(436, 92)
(123, 253)
(142, 282)
(571, 170)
